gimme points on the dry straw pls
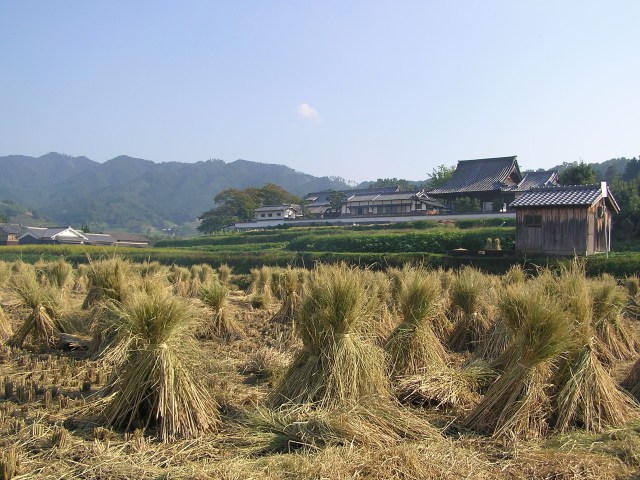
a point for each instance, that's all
(5, 326)
(517, 405)
(107, 280)
(160, 382)
(337, 363)
(413, 345)
(468, 294)
(44, 302)
(221, 322)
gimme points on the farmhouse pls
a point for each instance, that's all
(53, 235)
(570, 220)
(9, 234)
(284, 211)
(319, 203)
(391, 204)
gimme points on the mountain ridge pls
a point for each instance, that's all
(136, 194)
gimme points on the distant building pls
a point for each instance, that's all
(391, 204)
(319, 203)
(130, 240)
(51, 235)
(274, 212)
(569, 220)
(9, 234)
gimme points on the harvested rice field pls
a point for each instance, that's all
(117, 370)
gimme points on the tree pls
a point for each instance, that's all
(577, 174)
(235, 205)
(466, 205)
(405, 185)
(632, 170)
(336, 199)
(440, 176)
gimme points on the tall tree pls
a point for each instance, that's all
(235, 205)
(577, 174)
(440, 175)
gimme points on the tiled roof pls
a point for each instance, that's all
(10, 228)
(482, 175)
(322, 197)
(537, 180)
(565, 196)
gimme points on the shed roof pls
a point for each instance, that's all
(569, 195)
(482, 175)
(277, 208)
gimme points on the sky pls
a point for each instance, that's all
(355, 89)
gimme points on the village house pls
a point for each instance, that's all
(9, 234)
(284, 211)
(53, 235)
(565, 220)
(391, 204)
(317, 204)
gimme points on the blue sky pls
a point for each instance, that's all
(357, 89)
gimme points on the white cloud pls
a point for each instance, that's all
(307, 111)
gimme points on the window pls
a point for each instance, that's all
(271, 214)
(279, 214)
(533, 220)
(262, 215)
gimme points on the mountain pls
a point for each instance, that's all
(135, 194)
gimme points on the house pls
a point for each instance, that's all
(100, 239)
(53, 235)
(130, 240)
(565, 220)
(319, 203)
(393, 203)
(284, 211)
(490, 181)
(9, 234)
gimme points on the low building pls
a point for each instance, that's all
(318, 204)
(51, 236)
(130, 240)
(565, 220)
(9, 234)
(284, 211)
(100, 239)
(365, 204)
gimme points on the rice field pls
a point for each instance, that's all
(117, 369)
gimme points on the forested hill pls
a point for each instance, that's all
(135, 194)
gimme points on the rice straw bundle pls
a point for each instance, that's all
(515, 275)
(468, 301)
(5, 271)
(513, 303)
(107, 279)
(44, 303)
(589, 397)
(337, 363)
(289, 287)
(58, 273)
(180, 278)
(261, 283)
(413, 346)
(224, 273)
(517, 405)
(609, 301)
(222, 322)
(160, 383)
(201, 274)
(80, 280)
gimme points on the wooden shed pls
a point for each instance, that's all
(565, 220)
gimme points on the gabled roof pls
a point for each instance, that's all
(61, 234)
(538, 180)
(10, 228)
(482, 175)
(570, 195)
